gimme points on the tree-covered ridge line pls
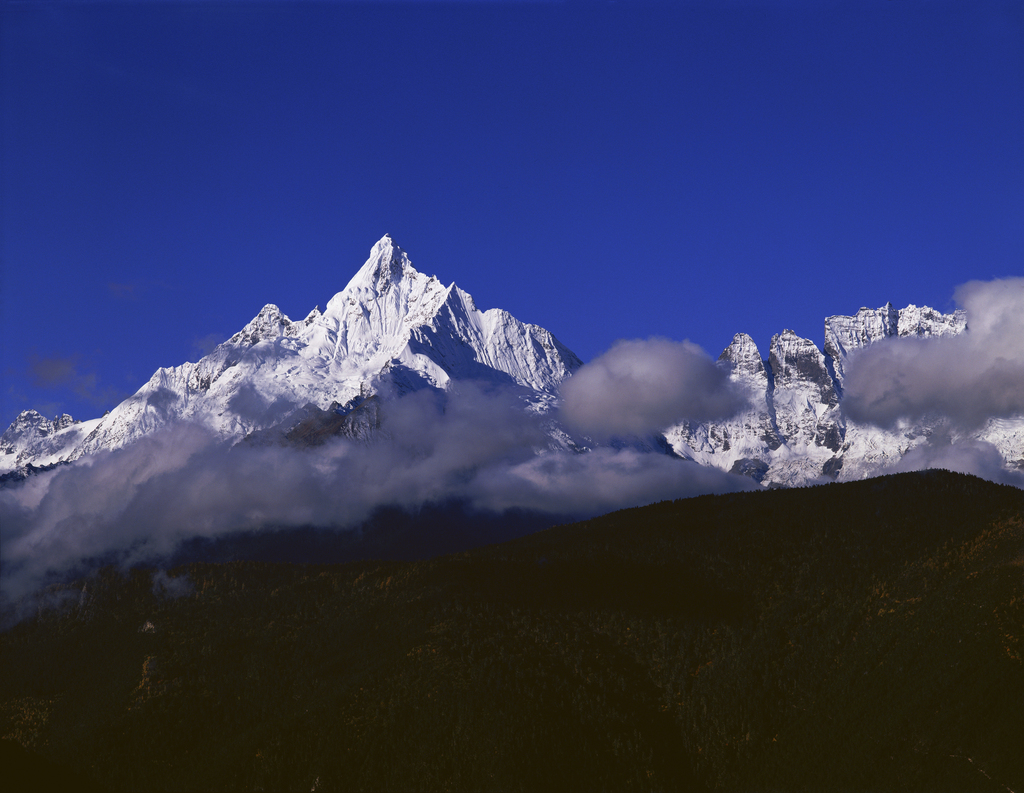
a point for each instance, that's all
(867, 635)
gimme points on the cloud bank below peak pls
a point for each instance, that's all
(474, 445)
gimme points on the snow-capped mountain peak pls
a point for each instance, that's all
(30, 424)
(32, 439)
(387, 264)
(391, 329)
(268, 324)
(742, 354)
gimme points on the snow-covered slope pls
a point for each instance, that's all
(391, 330)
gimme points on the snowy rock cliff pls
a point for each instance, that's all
(803, 398)
(796, 432)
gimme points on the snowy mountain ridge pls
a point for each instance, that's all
(393, 330)
(796, 431)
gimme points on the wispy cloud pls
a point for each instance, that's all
(53, 371)
(123, 291)
(66, 372)
(205, 345)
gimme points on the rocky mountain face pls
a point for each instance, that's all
(393, 330)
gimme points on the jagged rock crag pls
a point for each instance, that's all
(795, 432)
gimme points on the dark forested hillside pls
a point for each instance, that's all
(862, 636)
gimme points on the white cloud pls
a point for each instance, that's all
(638, 387)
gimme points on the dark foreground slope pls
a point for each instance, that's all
(858, 636)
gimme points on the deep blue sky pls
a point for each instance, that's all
(688, 170)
